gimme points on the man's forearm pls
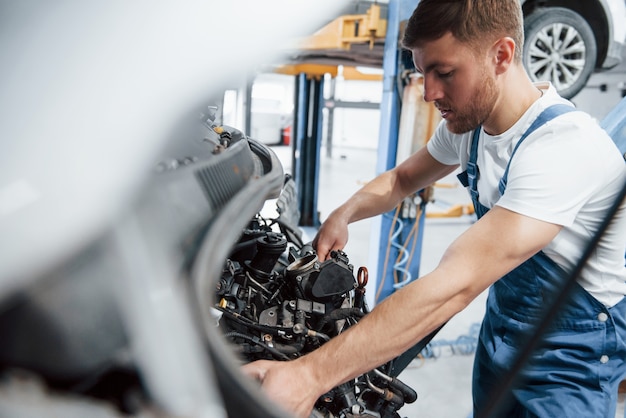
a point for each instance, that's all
(376, 197)
(388, 331)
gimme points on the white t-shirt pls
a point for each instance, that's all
(567, 172)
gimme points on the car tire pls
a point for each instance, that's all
(559, 47)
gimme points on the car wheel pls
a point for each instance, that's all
(559, 47)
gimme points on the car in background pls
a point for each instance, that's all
(567, 41)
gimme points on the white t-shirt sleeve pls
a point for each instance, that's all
(444, 146)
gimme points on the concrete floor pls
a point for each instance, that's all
(443, 382)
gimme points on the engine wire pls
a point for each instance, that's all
(413, 234)
(385, 264)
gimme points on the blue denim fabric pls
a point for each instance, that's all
(576, 370)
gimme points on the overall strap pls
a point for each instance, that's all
(469, 177)
(545, 116)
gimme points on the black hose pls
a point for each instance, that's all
(250, 324)
(408, 393)
(338, 314)
(294, 232)
(256, 341)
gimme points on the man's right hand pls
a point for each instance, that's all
(332, 235)
(285, 383)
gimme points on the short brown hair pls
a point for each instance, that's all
(469, 21)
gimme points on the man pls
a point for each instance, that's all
(540, 191)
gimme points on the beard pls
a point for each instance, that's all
(478, 110)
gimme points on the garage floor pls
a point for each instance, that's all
(443, 380)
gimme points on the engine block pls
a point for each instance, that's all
(278, 301)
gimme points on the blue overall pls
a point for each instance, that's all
(577, 368)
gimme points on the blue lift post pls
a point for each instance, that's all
(309, 103)
(398, 11)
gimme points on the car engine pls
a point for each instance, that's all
(278, 301)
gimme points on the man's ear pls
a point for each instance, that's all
(503, 51)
